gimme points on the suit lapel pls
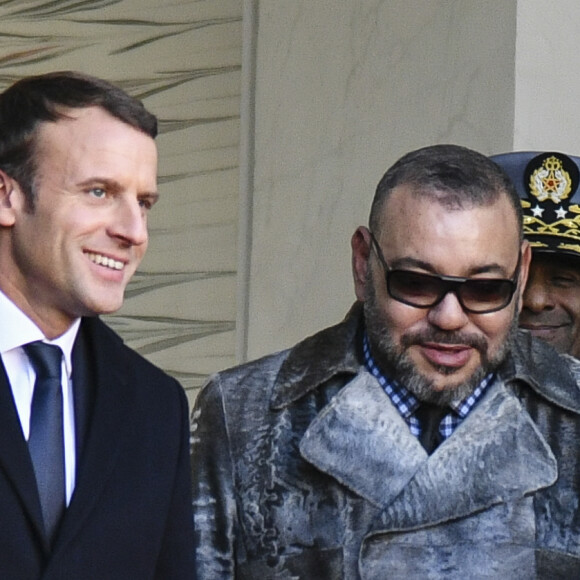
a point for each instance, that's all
(496, 455)
(14, 456)
(102, 424)
(84, 387)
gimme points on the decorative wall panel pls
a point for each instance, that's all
(183, 58)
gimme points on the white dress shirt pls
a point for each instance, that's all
(16, 330)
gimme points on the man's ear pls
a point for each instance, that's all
(7, 213)
(361, 249)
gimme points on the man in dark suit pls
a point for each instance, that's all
(94, 467)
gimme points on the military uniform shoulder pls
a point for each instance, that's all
(574, 365)
(553, 376)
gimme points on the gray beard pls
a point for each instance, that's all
(395, 362)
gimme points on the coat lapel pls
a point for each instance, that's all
(361, 440)
(14, 457)
(496, 455)
(102, 424)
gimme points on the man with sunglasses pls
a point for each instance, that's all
(547, 183)
(422, 437)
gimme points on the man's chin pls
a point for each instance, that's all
(442, 394)
(440, 384)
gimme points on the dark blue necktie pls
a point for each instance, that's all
(430, 417)
(46, 440)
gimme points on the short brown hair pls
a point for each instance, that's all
(44, 98)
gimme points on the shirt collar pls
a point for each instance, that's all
(17, 330)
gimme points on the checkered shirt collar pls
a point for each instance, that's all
(406, 403)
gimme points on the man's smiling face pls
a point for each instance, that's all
(552, 301)
(75, 251)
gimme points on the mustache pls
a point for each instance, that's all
(440, 337)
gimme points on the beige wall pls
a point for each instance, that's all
(547, 75)
(342, 90)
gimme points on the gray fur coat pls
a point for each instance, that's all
(303, 469)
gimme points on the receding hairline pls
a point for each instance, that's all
(452, 175)
(450, 199)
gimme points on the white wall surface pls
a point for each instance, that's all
(342, 90)
(547, 75)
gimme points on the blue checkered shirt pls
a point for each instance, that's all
(406, 403)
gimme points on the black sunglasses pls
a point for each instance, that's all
(476, 295)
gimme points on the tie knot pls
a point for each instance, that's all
(44, 358)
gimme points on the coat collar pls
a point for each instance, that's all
(361, 440)
(318, 358)
(495, 456)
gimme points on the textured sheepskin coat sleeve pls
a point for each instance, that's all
(303, 469)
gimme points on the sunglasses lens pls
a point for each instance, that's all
(486, 295)
(413, 288)
(424, 290)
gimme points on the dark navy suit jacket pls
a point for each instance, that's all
(130, 513)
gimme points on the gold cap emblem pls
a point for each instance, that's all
(550, 181)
